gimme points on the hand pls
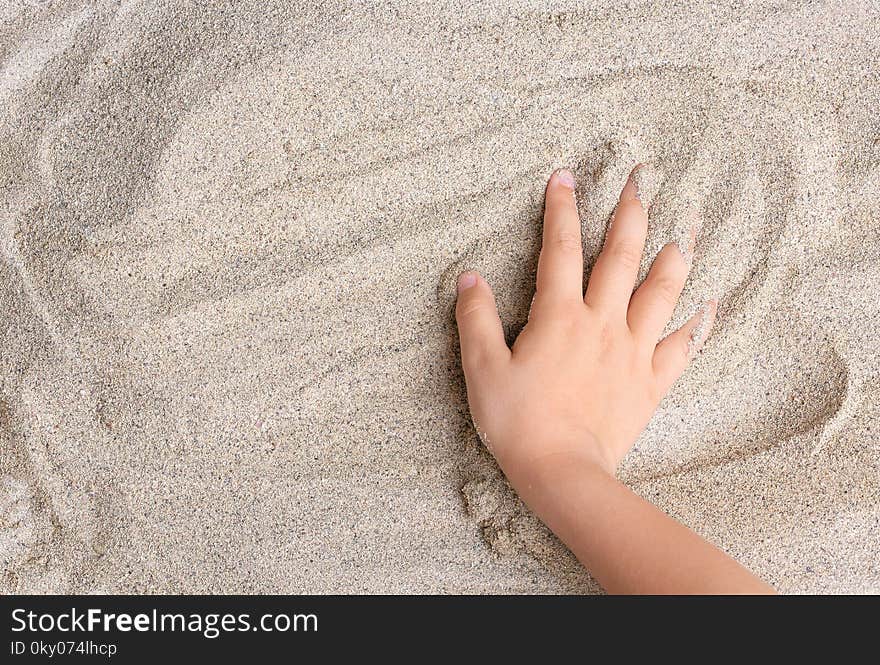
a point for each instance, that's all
(587, 371)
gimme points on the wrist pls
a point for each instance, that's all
(535, 471)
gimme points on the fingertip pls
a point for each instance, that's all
(688, 251)
(676, 253)
(630, 189)
(466, 280)
(701, 325)
(711, 309)
(472, 292)
(642, 185)
(563, 178)
(481, 334)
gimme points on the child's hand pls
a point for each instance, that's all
(587, 372)
(561, 409)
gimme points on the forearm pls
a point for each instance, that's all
(629, 545)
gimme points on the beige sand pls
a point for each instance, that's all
(229, 236)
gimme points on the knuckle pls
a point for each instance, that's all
(568, 327)
(469, 307)
(563, 312)
(666, 289)
(476, 360)
(560, 201)
(567, 241)
(627, 254)
(632, 206)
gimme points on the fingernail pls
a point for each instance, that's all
(466, 280)
(700, 333)
(565, 178)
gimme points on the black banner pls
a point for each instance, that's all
(127, 629)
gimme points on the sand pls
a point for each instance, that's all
(230, 233)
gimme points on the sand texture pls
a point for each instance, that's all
(229, 236)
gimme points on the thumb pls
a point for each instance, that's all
(479, 328)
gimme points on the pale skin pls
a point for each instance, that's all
(562, 407)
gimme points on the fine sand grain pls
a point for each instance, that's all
(229, 236)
